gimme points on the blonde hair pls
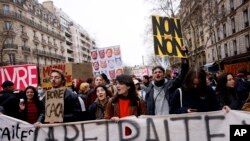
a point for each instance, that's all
(84, 87)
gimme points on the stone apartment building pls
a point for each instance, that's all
(217, 32)
(78, 42)
(31, 32)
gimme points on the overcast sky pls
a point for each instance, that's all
(112, 22)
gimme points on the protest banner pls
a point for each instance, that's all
(211, 126)
(54, 105)
(167, 36)
(107, 60)
(71, 70)
(21, 75)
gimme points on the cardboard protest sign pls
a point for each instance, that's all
(71, 70)
(54, 105)
(167, 36)
(209, 126)
(21, 75)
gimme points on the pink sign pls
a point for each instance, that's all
(21, 75)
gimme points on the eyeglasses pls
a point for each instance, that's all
(55, 77)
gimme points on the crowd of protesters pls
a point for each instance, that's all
(191, 90)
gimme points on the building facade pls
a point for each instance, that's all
(218, 32)
(31, 32)
(77, 43)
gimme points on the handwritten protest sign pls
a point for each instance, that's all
(71, 71)
(211, 126)
(167, 36)
(54, 105)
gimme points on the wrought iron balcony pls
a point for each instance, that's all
(26, 49)
(10, 47)
(17, 16)
(8, 32)
(48, 54)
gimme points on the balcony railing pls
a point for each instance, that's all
(48, 54)
(10, 46)
(12, 14)
(8, 32)
(26, 49)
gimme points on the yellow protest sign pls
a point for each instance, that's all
(167, 36)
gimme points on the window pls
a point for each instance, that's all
(190, 42)
(234, 47)
(219, 52)
(202, 36)
(245, 16)
(233, 25)
(232, 5)
(8, 41)
(22, 28)
(213, 54)
(25, 58)
(243, 1)
(6, 8)
(226, 50)
(34, 33)
(19, 13)
(24, 43)
(223, 12)
(218, 33)
(247, 42)
(224, 30)
(7, 25)
(12, 59)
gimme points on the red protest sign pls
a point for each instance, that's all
(21, 75)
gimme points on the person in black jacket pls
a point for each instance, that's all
(226, 92)
(159, 92)
(195, 95)
(72, 108)
(9, 101)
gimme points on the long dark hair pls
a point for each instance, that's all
(35, 97)
(128, 81)
(200, 74)
(221, 88)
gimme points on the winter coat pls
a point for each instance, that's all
(169, 87)
(193, 100)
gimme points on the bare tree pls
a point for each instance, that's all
(167, 8)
